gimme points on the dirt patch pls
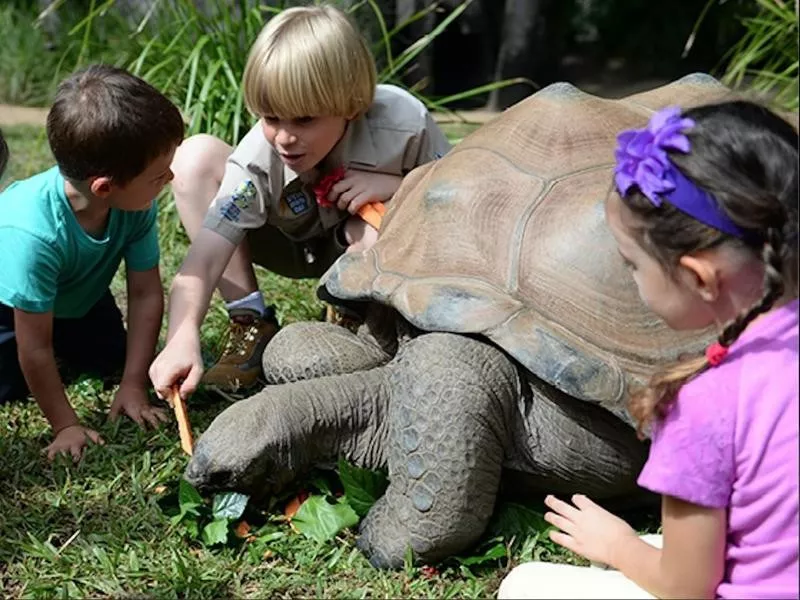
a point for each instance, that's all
(22, 115)
(605, 87)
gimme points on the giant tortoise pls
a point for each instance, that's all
(501, 335)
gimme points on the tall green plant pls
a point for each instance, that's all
(196, 52)
(765, 60)
(767, 54)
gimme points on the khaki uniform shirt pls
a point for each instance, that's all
(396, 135)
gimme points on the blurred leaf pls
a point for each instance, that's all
(216, 532)
(496, 551)
(321, 521)
(188, 497)
(516, 520)
(362, 487)
(229, 505)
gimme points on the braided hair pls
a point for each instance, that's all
(746, 157)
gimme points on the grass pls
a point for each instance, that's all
(96, 529)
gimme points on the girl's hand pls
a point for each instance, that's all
(358, 188)
(587, 529)
(72, 440)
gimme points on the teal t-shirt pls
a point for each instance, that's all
(49, 263)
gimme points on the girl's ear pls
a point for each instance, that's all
(701, 274)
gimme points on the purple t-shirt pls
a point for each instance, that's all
(731, 441)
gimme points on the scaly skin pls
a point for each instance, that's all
(448, 414)
(452, 402)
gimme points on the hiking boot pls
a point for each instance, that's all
(239, 366)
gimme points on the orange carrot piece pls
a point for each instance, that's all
(373, 213)
(184, 429)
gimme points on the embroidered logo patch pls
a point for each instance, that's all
(244, 194)
(241, 199)
(230, 211)
(297, 202)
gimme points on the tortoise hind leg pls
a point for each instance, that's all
(451, 398)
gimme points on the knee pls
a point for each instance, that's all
(523, 581)
(199, 162)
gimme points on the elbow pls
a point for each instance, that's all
(32, 355)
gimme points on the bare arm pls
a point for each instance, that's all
(34, 333)
(145, 309)
(189, 298)
(196, 280)
(692, 562)
(690, 565)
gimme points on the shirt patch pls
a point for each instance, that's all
(244, 194)
(297, 202)
(230, 211)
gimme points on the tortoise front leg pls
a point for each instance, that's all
(451, 398)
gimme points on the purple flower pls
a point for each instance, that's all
(641, 154)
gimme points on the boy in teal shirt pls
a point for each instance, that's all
(64, 233)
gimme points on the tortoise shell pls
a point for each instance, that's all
(505, 237)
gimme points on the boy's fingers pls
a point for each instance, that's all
(95, 437)
(76, 453)
(345, 199)
(340, 186)
(189, 384)
(357, 202)
(154, 417)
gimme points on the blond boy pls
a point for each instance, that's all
(311, 80)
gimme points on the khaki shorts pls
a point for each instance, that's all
(271, 249)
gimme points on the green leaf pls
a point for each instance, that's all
(192, 528)
(495, 552)
(229, 505)
(320, 520)
(188, 496)
(517, 520)
(216, 532)
(362, 487)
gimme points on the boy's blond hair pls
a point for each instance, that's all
(309, 61)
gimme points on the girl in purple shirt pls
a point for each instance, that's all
(706, 218)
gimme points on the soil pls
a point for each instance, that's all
(21, 115)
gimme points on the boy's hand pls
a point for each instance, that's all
(72, 440)
(587, 529)
(180, 360)
(359, 234)
(361, 187)
(132, 400)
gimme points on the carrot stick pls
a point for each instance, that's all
(373, 213)
(184, 429)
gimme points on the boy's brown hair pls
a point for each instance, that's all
(107, 122)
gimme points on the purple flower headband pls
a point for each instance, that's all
(643, 162)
